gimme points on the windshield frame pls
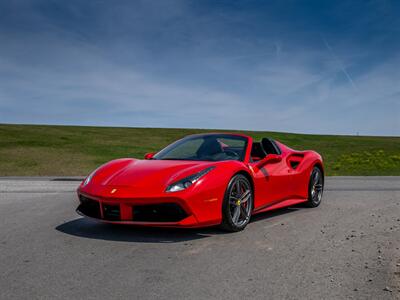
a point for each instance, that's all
(196, 136)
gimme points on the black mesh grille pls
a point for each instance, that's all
(89, 207)
(111, 212)
(166, 212)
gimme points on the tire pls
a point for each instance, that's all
(238, 204)
(315, 187)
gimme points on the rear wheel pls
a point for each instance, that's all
(237, 205)
(315, 187)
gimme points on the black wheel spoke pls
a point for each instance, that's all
(245, 196)
(318, 187)
(316, 175)
(238, 188)
(243, 212)
(236, 214)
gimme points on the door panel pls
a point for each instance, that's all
(272, 183)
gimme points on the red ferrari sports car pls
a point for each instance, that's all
(203, 180)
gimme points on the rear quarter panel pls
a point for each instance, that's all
(301, 175)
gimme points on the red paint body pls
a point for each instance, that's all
(126, 183)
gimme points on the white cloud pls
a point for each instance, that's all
(206, 76)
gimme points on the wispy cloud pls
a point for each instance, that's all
(197, 64)
(340, 63)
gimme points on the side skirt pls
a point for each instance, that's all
(281, 204)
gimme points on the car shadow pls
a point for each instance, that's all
(275, 213)
(87, 228)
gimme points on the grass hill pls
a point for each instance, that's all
(32, 150)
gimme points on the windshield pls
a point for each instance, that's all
(211, 147)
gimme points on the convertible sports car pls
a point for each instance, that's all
(203, 180)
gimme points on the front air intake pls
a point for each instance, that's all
(111, 212)
(165, 212)
(89, 207)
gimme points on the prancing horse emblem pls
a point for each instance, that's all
(113, 191)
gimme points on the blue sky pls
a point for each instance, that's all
(298, 66)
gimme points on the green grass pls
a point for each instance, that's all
(30, 150)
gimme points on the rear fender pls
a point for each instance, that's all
(301, 164)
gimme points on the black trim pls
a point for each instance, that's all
(257, 150)
(294, 164)
(111, 212)
(273, 144)
(164, 212)
(278, 150)
(89, 207)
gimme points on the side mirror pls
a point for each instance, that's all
(149, 155)
(269, 159)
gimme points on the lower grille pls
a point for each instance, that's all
(89, 207)
(111, 212)
(165, 212)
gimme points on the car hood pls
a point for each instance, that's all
(154, 174)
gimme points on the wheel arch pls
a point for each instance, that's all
(319, 165)
(248, 176)
(226, 222)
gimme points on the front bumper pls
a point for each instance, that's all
(161, 211)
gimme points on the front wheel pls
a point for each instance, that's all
(315, 187)
(237, 205)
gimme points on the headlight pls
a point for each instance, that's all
(87, 180)
(187, 181)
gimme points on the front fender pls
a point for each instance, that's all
(209, 192)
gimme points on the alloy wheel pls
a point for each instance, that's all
(316, 186)
(239, 202)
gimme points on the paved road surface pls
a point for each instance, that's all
(346, 248)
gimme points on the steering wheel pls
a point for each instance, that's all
(232, 154)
